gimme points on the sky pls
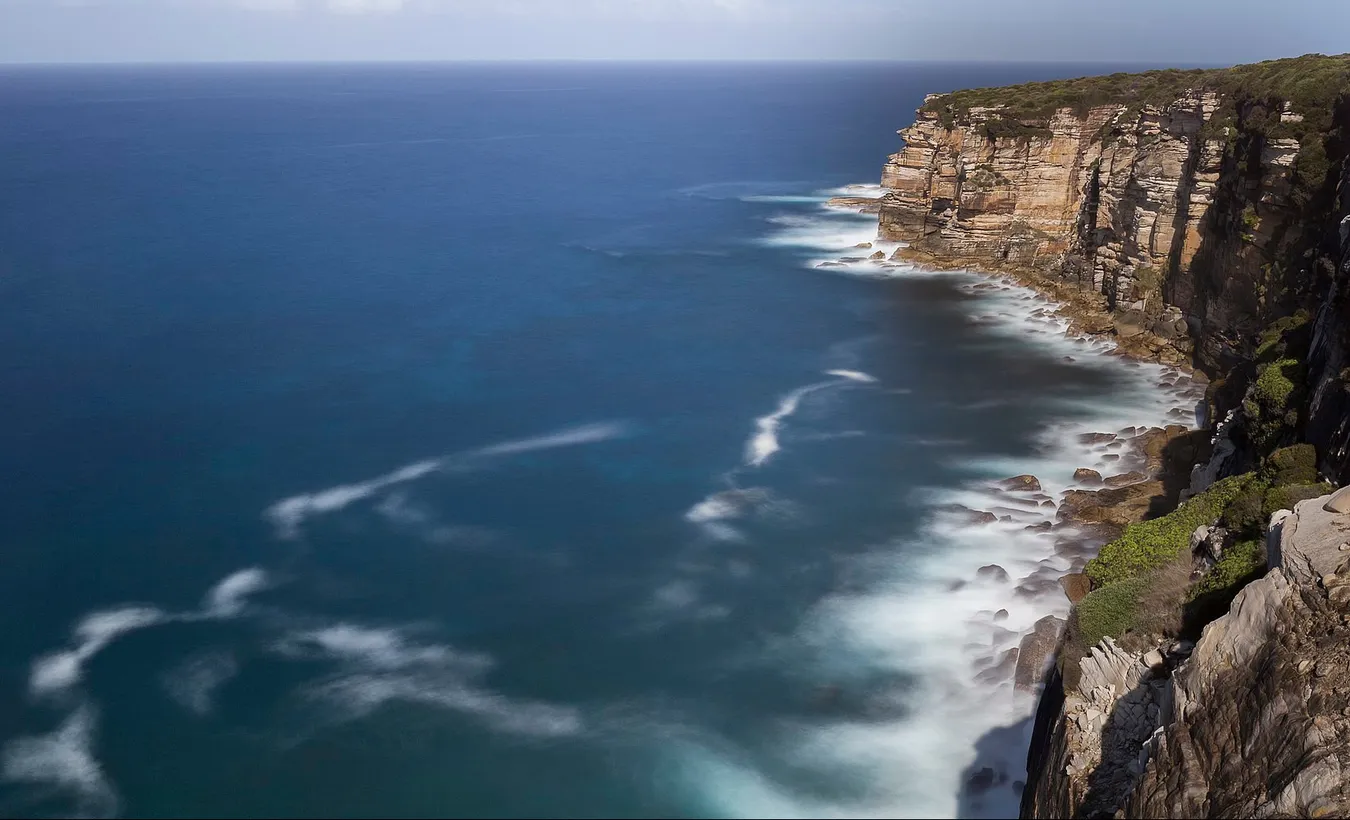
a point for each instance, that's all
(1186, 32)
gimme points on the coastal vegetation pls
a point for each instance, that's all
(1147, 581)
(1311, 84)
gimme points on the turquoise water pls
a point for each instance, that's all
(472, 440)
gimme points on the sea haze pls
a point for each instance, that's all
(487, 440)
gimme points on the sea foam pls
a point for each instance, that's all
(938, 612)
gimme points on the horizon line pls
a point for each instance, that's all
(594, 60)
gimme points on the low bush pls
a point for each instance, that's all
(1150, 544)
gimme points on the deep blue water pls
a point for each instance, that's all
(221, 288)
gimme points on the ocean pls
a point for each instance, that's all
(488, 440)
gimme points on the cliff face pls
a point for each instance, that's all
(1189, 221)
(1207, 215)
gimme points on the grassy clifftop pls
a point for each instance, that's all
(1311, 83)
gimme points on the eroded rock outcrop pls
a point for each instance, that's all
(1253, 721)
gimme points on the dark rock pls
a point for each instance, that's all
(1044, 526)
(981, 781)
(1166, 330)
(1000, 616)
(971, 516)
(1035, 651)
(1035, 587)
(992, 572)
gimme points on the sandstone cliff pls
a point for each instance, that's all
(1196, 217)
(1204, 219)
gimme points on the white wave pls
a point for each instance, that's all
(827, 231)
(584, 434)
(764, 443)
(382, 665)
(193, 684)
(226, 599)
(288, 515)
(786, 199)
(852, 374)
(63, 760)
(362, 694)
(857, 189)
(59, 672)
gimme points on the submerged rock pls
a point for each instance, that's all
(1029, 483)
(992, 572)
(1096, 438)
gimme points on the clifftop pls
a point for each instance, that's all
(1307, 86)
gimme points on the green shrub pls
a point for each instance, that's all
(1150, 544)
(1273, 406)
(1110, 610)
(1275, 383)
(1240, 563)
(1286, 337)
(1244, 513)
(1285, 497)
(1291, 465)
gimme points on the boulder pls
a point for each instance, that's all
(863, 245)
(1131, 323)
(1087, 476)
(971, 516)
(981, 781)
(992, 572)
(1339, 501)
(1076, 586)
(1115, 505)
(1125, 479)
(878, 255)
(1035, 651)
(1022, 482)
(1096, 438)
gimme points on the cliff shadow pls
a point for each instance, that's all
(991, 786)
(1179, 455)
(1125, 747)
